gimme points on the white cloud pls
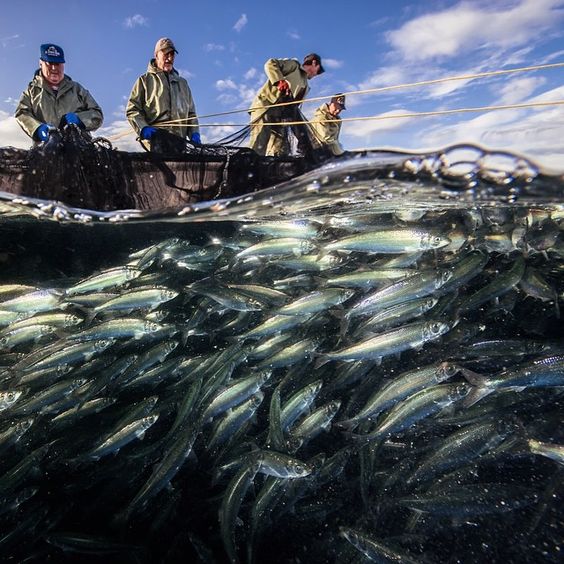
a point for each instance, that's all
(534, 132)
(332, 63)
(185, 73)
(453, 31)
(209, 47)
(135, 21)
(120, 110)
(251, 73)
(390, 123)
(293, 34)
(549, 58)
(385, 76)
(519, 89)
(227, 99)
(11, 101)
(240, 23)
(235, 96)
(11, 134)
(227, 84)
(6, 41)
(121, 135)
(216, 133)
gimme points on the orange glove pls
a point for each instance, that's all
(283, 86)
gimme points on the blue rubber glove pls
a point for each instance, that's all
(42, 132)
(195, 138)
(71, 118)
(147, 132)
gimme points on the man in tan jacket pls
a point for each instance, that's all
(53, 100)
(326, 124)
(161, 95)
(287, 80)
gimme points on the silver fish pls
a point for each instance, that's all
(390, 241)
(394, 341)
(111, 278)
(135, 430)
(400, 388)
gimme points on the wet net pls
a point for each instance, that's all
(89, 173)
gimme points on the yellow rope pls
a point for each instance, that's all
(185, 121)
(376, 90)
(395, 116)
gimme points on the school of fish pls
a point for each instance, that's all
(333, 387)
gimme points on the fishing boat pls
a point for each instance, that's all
(91, 174)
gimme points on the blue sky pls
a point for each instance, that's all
(365, 44)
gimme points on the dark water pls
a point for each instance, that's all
(471, 472)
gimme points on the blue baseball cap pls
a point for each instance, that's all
(51, 53)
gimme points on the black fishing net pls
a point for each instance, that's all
(89, 173)
(299, 138)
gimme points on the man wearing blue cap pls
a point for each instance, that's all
(53, 100)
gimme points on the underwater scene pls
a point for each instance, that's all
(363, 364)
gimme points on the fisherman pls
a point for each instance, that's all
(53, 100)
(326, 124)
(287, 81)
(161, 99)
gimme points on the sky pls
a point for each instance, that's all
(364, 44)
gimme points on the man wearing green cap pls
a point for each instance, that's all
(287, 81)
(326, 124)
(161, 99)
(53, 100)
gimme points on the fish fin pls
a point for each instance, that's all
(344, 326)
(321, 282)
(414, 519)
(346, 424)
(320, 361)
(475, 395)
(474, 378)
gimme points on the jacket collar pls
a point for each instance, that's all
(63, 86)
(153, 69)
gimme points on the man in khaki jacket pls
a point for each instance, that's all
(53, 100)
(287, 80)
(326, 124)
(162, 96)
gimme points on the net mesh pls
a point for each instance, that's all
(89, 173)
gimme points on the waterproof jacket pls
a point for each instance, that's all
(39, 104)
(282, 69)
(327, 133)
(159, 96)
